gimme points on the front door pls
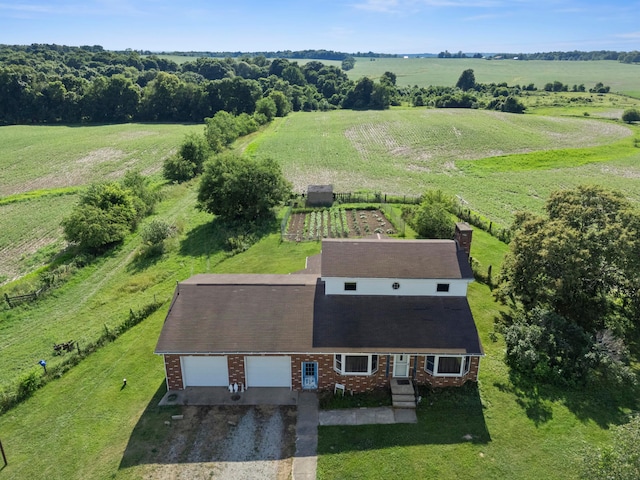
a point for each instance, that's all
(401, 365)
(309, 375)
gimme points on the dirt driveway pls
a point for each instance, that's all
(222, 442)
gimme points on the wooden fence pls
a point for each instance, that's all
(29, 297)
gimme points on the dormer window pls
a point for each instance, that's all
(350, 286)
(442, 287)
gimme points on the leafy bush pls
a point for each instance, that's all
(177, 169)
(104, 215)
(28, 384)
(631, 115)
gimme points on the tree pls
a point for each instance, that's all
(283, 105)
(104, 215)
(267, 107)
(467, 80)
(512, 105)
(188, 162)
(237, 188)
(631, 115)
(620, 460)
(432, 218)
(348, 63)
(220, 131)
(580, 262)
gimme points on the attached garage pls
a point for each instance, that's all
(268, 371)
(204, 371)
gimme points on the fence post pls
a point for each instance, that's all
(6, 297)
(4, 457)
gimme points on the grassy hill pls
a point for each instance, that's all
(496, 162)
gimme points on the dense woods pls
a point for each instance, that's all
(51, 83)
(61, 84)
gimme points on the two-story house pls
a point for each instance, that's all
(367, 311)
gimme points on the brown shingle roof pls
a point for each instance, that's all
(380, 323)
(291, 313)
(240, 313)
(387, 258)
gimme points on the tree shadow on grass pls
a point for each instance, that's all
(445, 416)
(224, 235)
(602, 403)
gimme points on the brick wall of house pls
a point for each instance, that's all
(173, 369)
(422, 377)
(328, 377)
(235, 364)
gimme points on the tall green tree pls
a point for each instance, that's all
(237, 188)
(579, 262)
(467, 80)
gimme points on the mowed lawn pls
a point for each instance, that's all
(86, 426)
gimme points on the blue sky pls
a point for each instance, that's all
(388, 26)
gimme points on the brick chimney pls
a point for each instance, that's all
(463, 237)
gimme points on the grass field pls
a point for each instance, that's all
(46, 157)
(84, 426)
(497, 162)
(41, 165)
(423, 72)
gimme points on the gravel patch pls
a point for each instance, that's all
(218, 442)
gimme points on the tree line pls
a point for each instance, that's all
(624, 57)
(58, 84)
(44, 83)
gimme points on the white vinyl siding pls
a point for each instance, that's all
(385, 286)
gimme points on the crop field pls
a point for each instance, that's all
(46, 162)
(407, 151)
(46, 157)
(622, 78)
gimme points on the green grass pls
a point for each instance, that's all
(435, 71)
(83, 426)
(46, 157)
(43, 167)
(461, 152)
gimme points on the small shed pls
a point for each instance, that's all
(319, 195)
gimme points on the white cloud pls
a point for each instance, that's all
(631, 35)
(384, 6)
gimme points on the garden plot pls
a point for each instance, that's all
(338, 222)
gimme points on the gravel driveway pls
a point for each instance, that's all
(222, 442)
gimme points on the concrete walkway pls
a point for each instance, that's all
(367, 416)
(305, 461)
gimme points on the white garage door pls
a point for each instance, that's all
(205, 371)
(268, 371)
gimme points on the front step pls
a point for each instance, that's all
(402, 393)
